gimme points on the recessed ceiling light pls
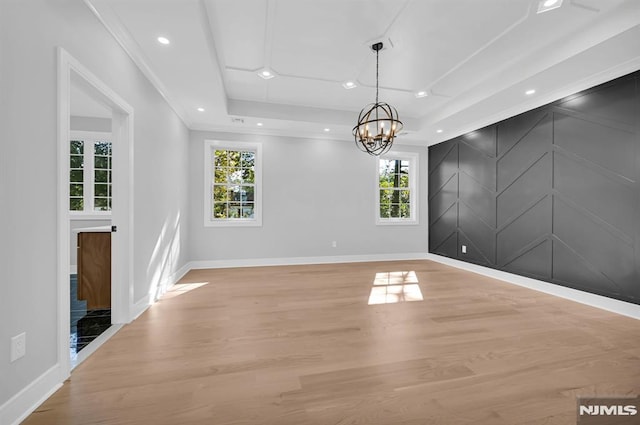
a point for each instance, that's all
(529, 92)
(349, 85)
(421, 93)
(439, 130)
(327, 130)
(259, 124)
(200, 109)
(547, 5)
(266, 73)
(163, 40)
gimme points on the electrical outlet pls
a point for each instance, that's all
(464, 249)
(334, 244)
(18, 346)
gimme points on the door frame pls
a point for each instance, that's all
(72, 72)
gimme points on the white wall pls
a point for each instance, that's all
(90, 123)
(30, 31)
(314, 192)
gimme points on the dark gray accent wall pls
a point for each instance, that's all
(551, 194)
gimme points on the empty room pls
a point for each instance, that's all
(398, 212)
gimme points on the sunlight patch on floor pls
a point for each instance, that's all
(395, 287)
(182, 288)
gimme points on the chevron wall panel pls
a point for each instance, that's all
(552, 194)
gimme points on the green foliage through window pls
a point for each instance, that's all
(90, 175)
(233, 184)
(394, 189)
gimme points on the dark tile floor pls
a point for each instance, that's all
(86, 325)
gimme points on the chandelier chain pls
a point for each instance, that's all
(377, 65)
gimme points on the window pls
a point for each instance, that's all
(233, 190)
(396, 189)
(90, 175)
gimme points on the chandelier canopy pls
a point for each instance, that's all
(378, 123)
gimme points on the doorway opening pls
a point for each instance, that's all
(95, 145)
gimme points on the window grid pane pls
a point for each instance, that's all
(233, 184)
(102, 175)
(394, 189)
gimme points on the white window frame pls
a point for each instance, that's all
(88, 175)
(210, 146)
(414, 161)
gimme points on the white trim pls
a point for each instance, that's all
(604, 303)
(17, 408)
(414, 172)
(71, 71)
(140, 307)
(89, 167)
(291, 261)
(127, 43)
(209, 146)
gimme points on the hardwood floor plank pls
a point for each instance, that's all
(301, 345)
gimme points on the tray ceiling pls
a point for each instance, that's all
(474, 59)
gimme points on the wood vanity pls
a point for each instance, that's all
(94, 267)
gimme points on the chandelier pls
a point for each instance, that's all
(378, 123)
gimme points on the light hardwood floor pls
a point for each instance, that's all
(301, 345)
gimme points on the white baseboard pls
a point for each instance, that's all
(291, 261)
(16, 409)
(143, 304)
(21, 405)
(604, 303)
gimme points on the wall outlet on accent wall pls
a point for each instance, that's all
(18, 346)
(464, 249)
(334, 244)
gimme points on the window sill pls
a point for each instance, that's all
(396, 222)
(233, 223)
(76, 215)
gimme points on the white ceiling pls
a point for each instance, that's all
(474, 58)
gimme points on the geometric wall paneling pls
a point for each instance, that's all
(478, 198)
(448, 247)
(525, 191)
(614, 101)
(573, 270)
(526, 229)
(441, 172)
(609, 147)
(608, 197)
(606, 251)
(443, 227)
(483, 140)
(437, 153)
(510, 131)
(481, 234)
(477, 165)
(443, 199)
(534, 262)
(525, 152)
(473, 254)
(553, 193)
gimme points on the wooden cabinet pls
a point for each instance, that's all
(94, 269)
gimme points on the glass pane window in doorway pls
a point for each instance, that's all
(90, 173)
